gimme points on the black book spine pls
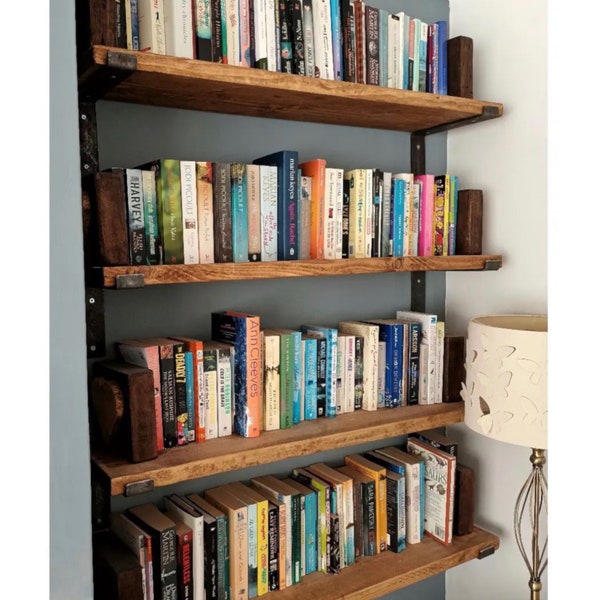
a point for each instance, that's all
(377, 212)
(321, 376)
(334, 552)
(167, 368)
(358, 519)
(285, 37)
(358, 371)
(346, 219)
(299, 63)
(181, 412)
(273, 548)
(121, 25)
(210, 560)
(216, 31)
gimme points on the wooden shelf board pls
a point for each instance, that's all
(375, 576)
(170, 274)
(234, 452)
(199, 85)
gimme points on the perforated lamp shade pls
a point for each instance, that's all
(505, 391)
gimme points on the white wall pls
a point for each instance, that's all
(506, 158)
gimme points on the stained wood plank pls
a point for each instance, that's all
(170, 274)
(200, 85)
(234, 452)
(375, 576)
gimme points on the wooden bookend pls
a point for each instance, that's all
(106, 234)
(117, 571)
(460, 66)
(469, 222)
(123, 399)
(454, 367)
(464, 500)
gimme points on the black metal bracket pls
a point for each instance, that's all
(489, 112)
(94, 318)
(139, 487)
(103, 78)
(417, 291)
(130, 282)
(485, 552)
(492, 265)
(100, 499)
(417, 278)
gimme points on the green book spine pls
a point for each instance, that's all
(286, 381)
(170, 211)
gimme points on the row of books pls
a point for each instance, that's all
(344, 40)
(243, 540)
(248, 379)
(199, 212)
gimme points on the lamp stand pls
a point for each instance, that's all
(533, 500)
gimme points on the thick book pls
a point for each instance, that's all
(330, 334)
(181, 404)
(120, 388)
(268, 213)
(204, 199)
(162, 531)
(370, 363)
(237, 519)
(117, 573)
(222, 217)
(286, 162)
(440, 473)
(243, 331)
(145, 353)
(377, 472)
(150, 204)
(138, 254)
(315, 169)
(372, 44)
(177, 507)
(189, 212)
(151, 24)
(140, 543)
(179, 28)
(216, 557)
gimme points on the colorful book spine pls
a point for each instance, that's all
(359, 26)
(222, 212)
(254, 237)
(182, 415)
(189, 212)
(310, 378)
(135, 217)
(231, 31)
(271, 380)
(245, 34)
(285, 37)
(336, 40)
(286, 374)
(286, 162)
(315, 169)
(211, 387)
(372, 44)
(415, 211)
(204, 195)
(305, 216)
(203, 30)
(239, 212)
(383, 48)
(426, 214)
(190, 396)
(442, 40)
(438, 214)
(339, 209)
(268, 212)
(452, 215)
(150, 217)
(321, 376)
(397, 215)
(358, 371)
(345, 218)
(168, 184)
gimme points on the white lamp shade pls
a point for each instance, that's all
(505, 391)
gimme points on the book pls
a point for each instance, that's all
(216, 555)
(438, 440)
(309, 39)
(116, 571)
(442, 53)
(315, 169)
(140, 544)
(258, 40)
(310, 377)
(245, 33)
(151, 24)
(348, 41)
(286, 162)
(144, 353)
(336, 40)
(150, 217)
(370, 362)
(202, 30)
(237, 519)
(377, 473)
(239, 212)
(440, 473)
(286, 379)
(226, 388)
(305, 215)
(162, 531)
(345, 373)
(222, 216)
(345, 218)
(218, 33)
(268, 212)
(415, 482)
(181, 406)
(372, 44)
(324, 66)
(211, 389)
(271, 379)
(357, 210)
(135, 217)
(177, 507)
(441, 190)
(358, 371)
(179, 30)
(254, 234)
(359, 25)
(273, 512)
(243, 331)
(189, 212)
(168, 193)
(190, 394)
(196, 348)
(184, 550)
(204, 197)
(295, 11)
(412, 360)
(330, 334)
(291, 343)
(426, 211)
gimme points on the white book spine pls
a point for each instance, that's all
(340, 378)
(204, 198)
(349, 374)
(439, 362)
(322, 39)
(179, 28)
(271, 382)
(225, 387)
(268, 212)
(189, 211)
(414, 218)
(393, 50)
(271, 34)
(232, 14)
(329, 213)
(309, 41)
(368, 212)
(381, 375)
(260, 30)
(339, 209)
(402, 45)
(211, 387)
(151, 26)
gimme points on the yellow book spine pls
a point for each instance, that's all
(262, 586)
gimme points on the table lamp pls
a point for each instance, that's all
(505, 394)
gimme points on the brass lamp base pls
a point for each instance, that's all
(532, 500)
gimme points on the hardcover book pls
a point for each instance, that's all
(243, 331)
(440, 473)
(286, 162)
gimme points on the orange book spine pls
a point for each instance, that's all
(316, 169)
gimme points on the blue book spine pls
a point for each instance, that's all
(296, 377)
(422, 57)
(336, 40)
(397, 217)
(405, 40)
(310, 533)
(442, 71)
(239, 212)
(252, 551)
(383, 47)
(135, 25)
(190, 395)
(286, 162)
(330, 334)
(310, 378)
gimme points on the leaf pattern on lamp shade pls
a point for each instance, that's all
(492, 422)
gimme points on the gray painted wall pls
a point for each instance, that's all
(129, 135)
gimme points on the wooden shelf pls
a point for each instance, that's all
(375, 576)
(144, 78)
(234, 452)
(115, 277)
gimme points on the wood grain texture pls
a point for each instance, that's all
(199, 85)
(170, 274)
(234, 452)
(375, 576)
